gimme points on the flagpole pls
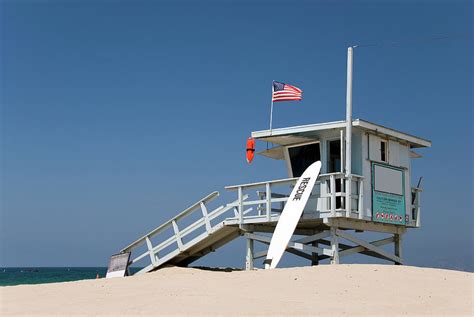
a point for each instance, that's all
(271, 112)
(349, 131)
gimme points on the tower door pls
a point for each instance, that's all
(334, 156)
(334, 165)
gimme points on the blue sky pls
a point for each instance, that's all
(115, 115)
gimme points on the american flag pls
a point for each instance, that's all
(285, 92)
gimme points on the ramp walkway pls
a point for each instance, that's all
(169, 244)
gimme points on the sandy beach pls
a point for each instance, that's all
(323, 290)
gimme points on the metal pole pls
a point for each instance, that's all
(271, 112)
(348, 130)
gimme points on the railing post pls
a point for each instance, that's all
(418, 209)
(361, 198)
(332, 185)
(150, 250)
(241, 206)
(269, 201)
(206, 217)
(349, 195)
(177, 235)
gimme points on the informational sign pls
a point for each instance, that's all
(118, 265)
(388, 194)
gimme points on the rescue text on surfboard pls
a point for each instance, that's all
(301, 188)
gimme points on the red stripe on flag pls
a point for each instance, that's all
(288, 93)
(287, 98)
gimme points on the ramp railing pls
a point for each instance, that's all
(171, 238)
(415, 206)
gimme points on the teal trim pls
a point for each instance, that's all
(388, 207)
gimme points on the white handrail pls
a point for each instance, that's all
(168, 223)
(266, 202)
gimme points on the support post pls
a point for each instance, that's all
(315, 256)
(349, 132)
(249, 257)
(241, 206)
(332, 186)
(269, 201)
(397, 239)
(343, 144)
(361, 199)
(334, 246)
(150, 250)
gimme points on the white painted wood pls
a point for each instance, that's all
(167, 224)
(394, 153)
(348, 192)
(361, 199)
(150, 250)
(368, 246)
(206, 217)
(418, 209)
(177, 235)
(314, 237)
(343, 143)
(280, 135)
(334, 246)
(332, 186)
(241, 204)
(116, 274)
(268, 203)
(249, 257)
(291, 214)
(374, 148)
(388, 132)
(364, 225)
(291, 245)
(358, 249)
(367, 172)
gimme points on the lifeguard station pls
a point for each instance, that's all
(364, 186)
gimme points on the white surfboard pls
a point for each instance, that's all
(291, 214)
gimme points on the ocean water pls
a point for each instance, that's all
(38, 275)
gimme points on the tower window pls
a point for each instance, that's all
(383, 151)
(303, 156)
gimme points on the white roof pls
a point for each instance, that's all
(299, 134)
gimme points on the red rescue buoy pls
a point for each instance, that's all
(250, 149)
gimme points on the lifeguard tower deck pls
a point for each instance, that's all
(376, 196)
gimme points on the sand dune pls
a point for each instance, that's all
(323, 290)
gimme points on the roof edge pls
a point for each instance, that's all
(367, 125)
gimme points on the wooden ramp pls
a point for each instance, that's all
(170, 244)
